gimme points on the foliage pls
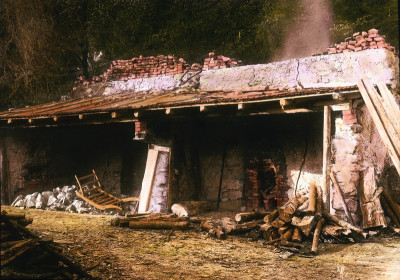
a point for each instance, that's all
(45, 45)
(362, 15)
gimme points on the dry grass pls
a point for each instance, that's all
(122, 253)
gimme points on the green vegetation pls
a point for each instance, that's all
(45, 45)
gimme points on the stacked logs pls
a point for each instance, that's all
(300, 219)
(360, 41)
(219, 62)
(25, 256)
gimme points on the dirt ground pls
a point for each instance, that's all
(123, 253)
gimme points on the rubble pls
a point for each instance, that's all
(60, 199)
(139, 67)
(219, 62)
(360, 41)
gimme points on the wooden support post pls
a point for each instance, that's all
(340, 194)
(326, 160)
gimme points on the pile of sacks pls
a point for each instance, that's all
(60, 199)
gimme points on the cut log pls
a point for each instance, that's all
(213, 231)
(190, 208)
(317, 233)
(312, 196)
(228, 225)
(341, 197)
(284, 242)
(286, 212)
(278, 223)
(245, 227)
(12, 216)
(17, 250)
(288, 234)
(302, 209)
(296, 237)
(371, 209)
(320, 201)
(271, 217)
(305, 224)
(267, 230)
(340, 222)
(51, 249)
(158, 224)
(249, 216)
(283, 229)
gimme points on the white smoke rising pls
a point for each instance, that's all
(310, 32)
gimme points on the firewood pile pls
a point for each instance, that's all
(59, 199)
(219, 62)
(25, 256)
(360, 41)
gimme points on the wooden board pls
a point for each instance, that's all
(379, 126)
(147, 182)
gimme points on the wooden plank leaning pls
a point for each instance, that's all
(379, 125)
(384, 115)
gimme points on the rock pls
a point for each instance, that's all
(71, 208)
(65, 189)
(80, 206)
(17, 199)
(20, 203)
(51, 200)
(56, 191)
(46, 195)
(30, 201)
(41, 202)
(61, 195)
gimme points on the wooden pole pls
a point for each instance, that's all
(340, 194)
(326, 157)
(317, 232)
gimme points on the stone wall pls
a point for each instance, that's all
(40, 159)
(280, 138)
(317, 71)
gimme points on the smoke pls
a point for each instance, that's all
(310, 32)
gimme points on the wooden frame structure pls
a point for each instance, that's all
(90, 191)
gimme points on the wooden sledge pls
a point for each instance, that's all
(90, 191)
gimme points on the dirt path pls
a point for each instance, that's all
(122, 253)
